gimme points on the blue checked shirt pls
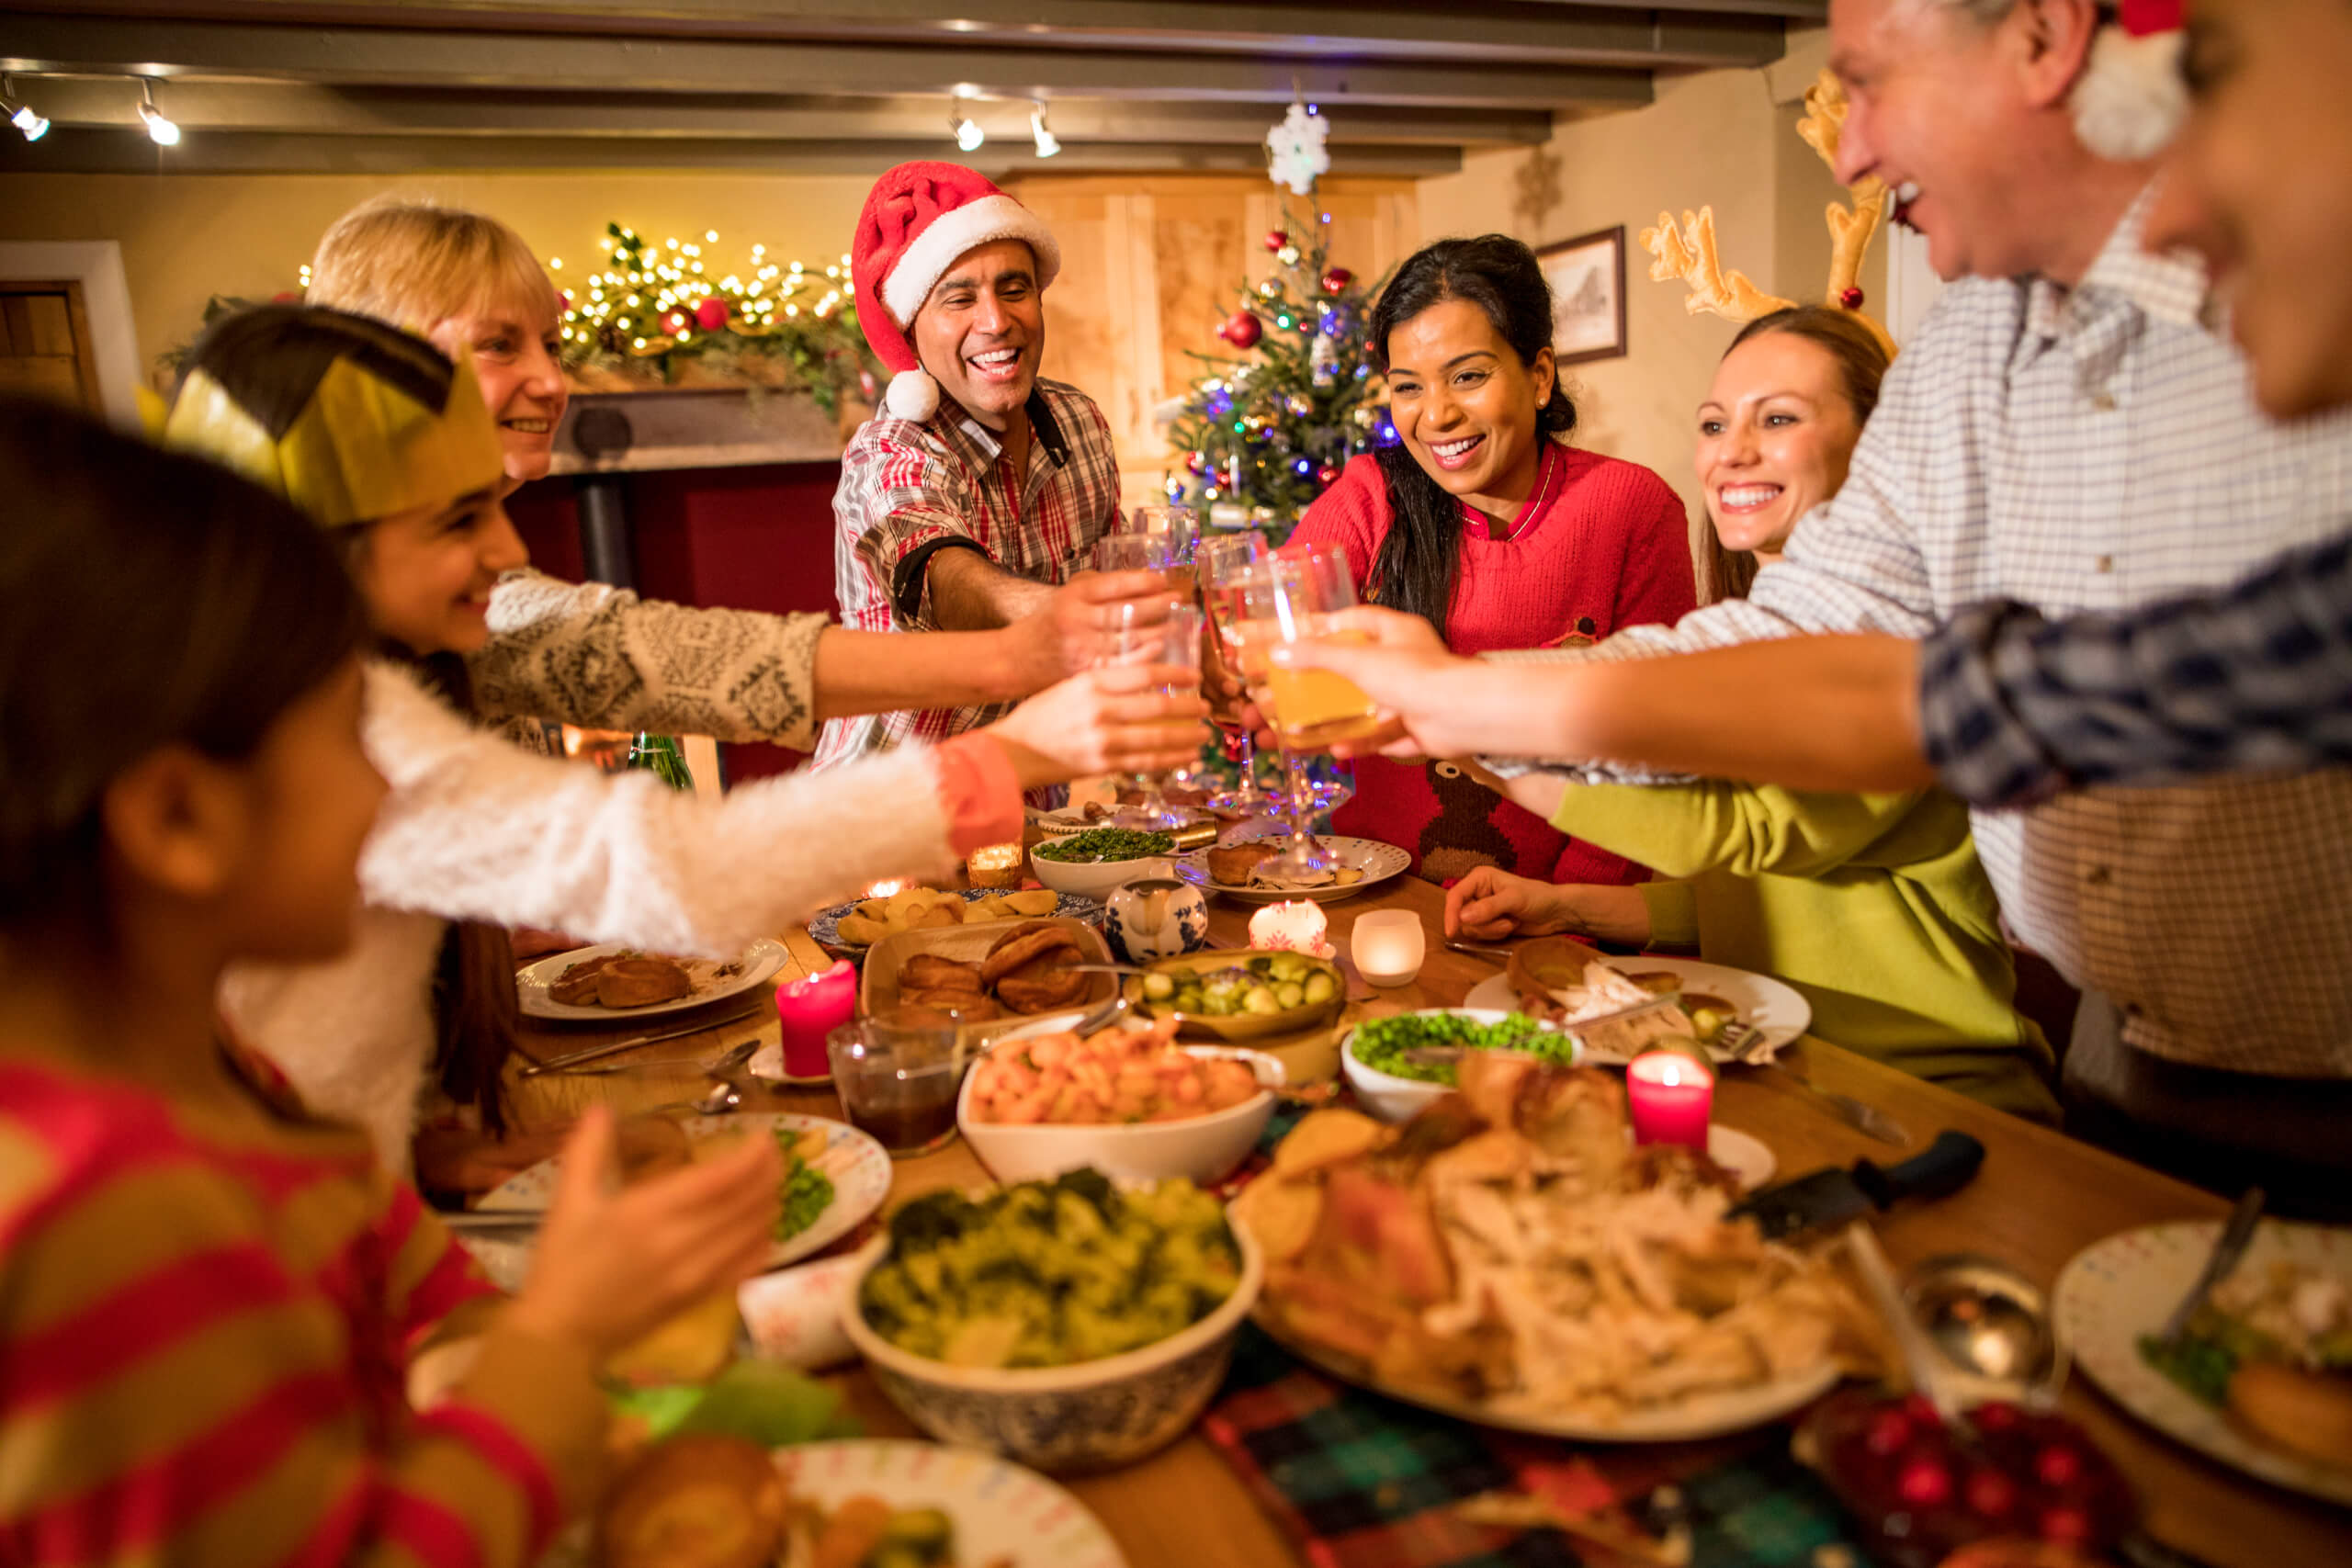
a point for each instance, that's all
(2095, 449)
(2015, 707)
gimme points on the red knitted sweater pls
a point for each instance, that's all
(1601, 543)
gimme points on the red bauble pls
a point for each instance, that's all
(1337, 280)
(1326, 474)
(676, 322)
(1196, 462)
(1852, 299)
(1923, 1484)
(1276, 238)
(1242, 330)
(711, 313)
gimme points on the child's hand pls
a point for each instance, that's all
(612, 1264)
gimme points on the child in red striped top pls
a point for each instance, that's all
(210, 1300)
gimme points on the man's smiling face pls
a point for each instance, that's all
(981, 332)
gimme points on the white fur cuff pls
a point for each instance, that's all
(2130, 100)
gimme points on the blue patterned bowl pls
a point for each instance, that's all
(1086, 1417)
(1156, 917)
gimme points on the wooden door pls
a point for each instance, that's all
(45, 343)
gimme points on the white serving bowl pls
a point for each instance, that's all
(1096, 878)
(1203, 1148)
(1385, 1096)
(1089, 1415)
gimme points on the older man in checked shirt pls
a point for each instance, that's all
(2068, 432)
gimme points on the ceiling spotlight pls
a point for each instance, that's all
(25, 119)
(162, 132)
(1048, 142)
(968, 135)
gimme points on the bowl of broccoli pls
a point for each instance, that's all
(1071, 1325)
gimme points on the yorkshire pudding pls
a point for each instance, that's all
(640, 982)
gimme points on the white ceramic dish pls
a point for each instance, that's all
(758, 961)
(1378, 861)
(856, 1165)
(794, 1315)
(1204, 1148)
(1773, 1006)
(1086, 1417)
(1096, 879)
(2114, 1290)
(1386, 1097)
(1003, 1513)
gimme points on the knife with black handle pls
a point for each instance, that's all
(1832, 1197)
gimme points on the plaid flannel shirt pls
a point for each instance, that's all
(2016, 708)
(908, 490)
(2095, 449)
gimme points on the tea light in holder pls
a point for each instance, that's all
(994, 865)
(1296, 925)
(1670, 1097)
(1387, 945)
(810, 1008)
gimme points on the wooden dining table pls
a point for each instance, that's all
(2039, 1199)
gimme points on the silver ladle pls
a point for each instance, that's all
(1991, 1326)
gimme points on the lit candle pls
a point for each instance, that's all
(994, 865)
(1669, 1096)
(810, 1008)
(1294, 926)
(1387, 945)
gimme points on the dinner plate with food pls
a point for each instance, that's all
(834, 1176)
(1250, 873)
(849, 929)
(994, 976)
(2262, 1377)
(1563, 982)
(613, 982)
(709, 1501)
(1510, 1257)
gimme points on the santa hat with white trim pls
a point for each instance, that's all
(2130, 100)
(918, 219)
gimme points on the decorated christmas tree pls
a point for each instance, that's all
(1260, 439)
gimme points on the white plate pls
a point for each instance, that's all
(1685, 1420)
(2113, 1291)
(1002, 1511)
(1378, 861)
(1773, 1006)
(760, 962)
(857, 1166)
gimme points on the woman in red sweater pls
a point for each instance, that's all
(1484, 520)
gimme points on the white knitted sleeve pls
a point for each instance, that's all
(475, 829)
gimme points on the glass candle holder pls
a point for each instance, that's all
(1296, 925)
(994, 865)
(1669, 1098)
(1387, 945)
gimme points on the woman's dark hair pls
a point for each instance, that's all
(146, 599)
(1861, 363)
(1421, 557)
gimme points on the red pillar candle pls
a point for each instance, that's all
(809, 1009)
(1669, 1096)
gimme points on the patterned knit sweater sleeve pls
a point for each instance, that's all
(588, 654)
(475, 829)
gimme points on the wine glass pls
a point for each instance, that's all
(1291, 598)
(1222, 563)
(1177, 532)
(1147, 634)
(1129, 550)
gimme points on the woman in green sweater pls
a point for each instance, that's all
(1873, 906)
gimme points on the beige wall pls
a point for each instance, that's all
(1721, 138)
(185, 237)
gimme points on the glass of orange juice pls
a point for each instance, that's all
(1293, 599)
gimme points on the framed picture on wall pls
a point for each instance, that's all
(1588, 278)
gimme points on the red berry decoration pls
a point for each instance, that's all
(675, 323)
(1923, 1484)
(1922, 1409)
(1242, 330)
(2069, 1526)
(1276, 238)
(1326, 474)
(2057, 1467)
(1337, 280)
(712, 313)
(1889, 1434)
(1852, 299)
(1991, 1495)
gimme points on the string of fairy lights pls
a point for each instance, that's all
(648, 299)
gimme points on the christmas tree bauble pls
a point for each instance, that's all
(1326, 474)
(1272, 288)
(1276, 238)
(1365, 416)
(1299, 407)
(711, 312)
(1242, 330)
(1288, 255)
(675, 322)
(1196, 462)
(1337, 280)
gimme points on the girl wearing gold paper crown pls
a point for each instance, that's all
(386, 442)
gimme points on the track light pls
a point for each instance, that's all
(1048, 142)
(162, 132)
(968, 135)
(24, 117)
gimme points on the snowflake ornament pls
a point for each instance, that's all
(1295, 152)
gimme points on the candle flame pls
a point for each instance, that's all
(884, 889)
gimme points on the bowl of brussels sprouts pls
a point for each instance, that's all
(1236, 995)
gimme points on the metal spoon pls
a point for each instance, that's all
(1502, 954)
(1993, 1326)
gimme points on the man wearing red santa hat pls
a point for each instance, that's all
(976, 495)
